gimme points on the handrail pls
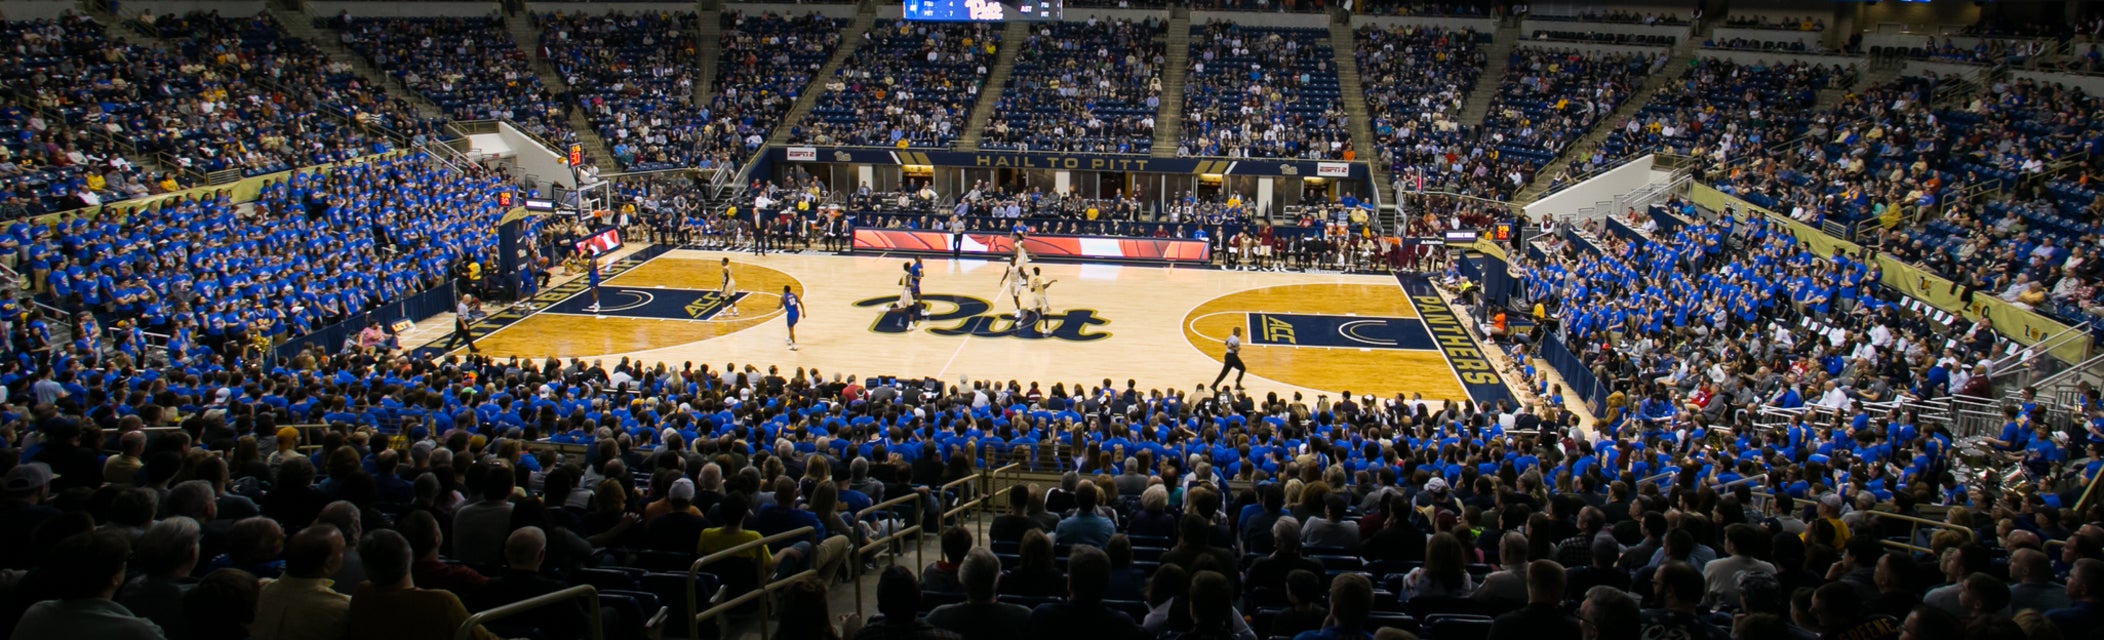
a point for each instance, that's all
(1740, 481)
(880, 544)
(1915, 523)
(2088, 489)
(467, 627)
(694, 571)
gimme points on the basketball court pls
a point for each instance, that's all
(1162, 327)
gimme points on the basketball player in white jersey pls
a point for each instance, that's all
(1014, 280)
(728, 291)
(909, 302)
(1040, 304)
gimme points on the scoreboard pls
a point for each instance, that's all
(983, 10)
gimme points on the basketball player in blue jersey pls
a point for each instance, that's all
(592, 277)
(793, 307)
(728, 292)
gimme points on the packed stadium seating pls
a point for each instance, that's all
(467, 66)
(1090, 87)
(1263, 92)
(1549, 97)
(1416, 79)
(1723, 103)
(324, 248)
(767, 61)
(633, 76)
(1774, 455)
(910, 84)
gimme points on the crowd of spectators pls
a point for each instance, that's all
(1416, 79)
(1188, 512)
(469, 67)
(1764, 21)
(909, 84)
(1603, 37)
(1724, 106)
(767, 61)
(1750, 44)
(1263, 92)
(219, 277)
(149, 499)
(1547, 99)
(633, 76)
(1985, 51)
(1082, 87)
(284, 103)
(1883, 159)
(1615, 16)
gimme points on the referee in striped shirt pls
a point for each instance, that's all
(1233, 361)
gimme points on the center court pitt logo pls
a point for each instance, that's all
(955, 315)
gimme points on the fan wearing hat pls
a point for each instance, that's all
(1830, 506)
(22, 510)
(1435, 498)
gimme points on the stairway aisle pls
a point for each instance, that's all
(1344, 42)
(1495, 61)
(1012, 38)
(850, 40)
(1168, 123)
(527, 37)
(708, 36)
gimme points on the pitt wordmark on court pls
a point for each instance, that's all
(1161, 328)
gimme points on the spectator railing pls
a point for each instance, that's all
(888, 541)
(971, 505)
(766, 586)
(588, 592)
(2089, 489)
(987, 491)
(2036, 362)
(1914, 525)
(1746, 480)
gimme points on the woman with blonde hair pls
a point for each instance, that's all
(818, 470)
(288, 446)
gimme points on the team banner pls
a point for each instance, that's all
(1148, 249)
(1072, 161)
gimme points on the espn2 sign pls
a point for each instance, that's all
(1333, 169)
(803, 154)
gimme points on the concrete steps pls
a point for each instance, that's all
(527, 37)
(850, 40)
(708, 38)
(1496, 59)
(1168, 123)
(1012, 38)
(1365, 147)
